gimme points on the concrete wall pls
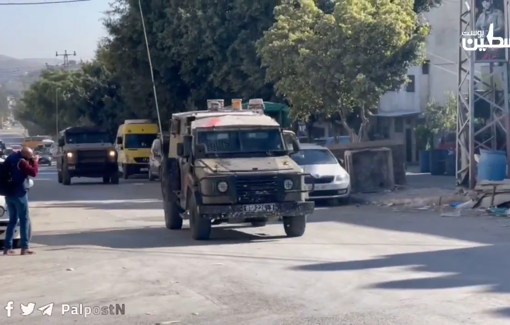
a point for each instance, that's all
(404, 101)
(442, 49)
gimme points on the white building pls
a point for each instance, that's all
(399, 110)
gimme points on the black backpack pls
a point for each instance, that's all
(6, 182)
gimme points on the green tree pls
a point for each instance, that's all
(342, 61)
(54, 93)
(439, 119)
(4, 102)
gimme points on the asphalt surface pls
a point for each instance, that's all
(106, 244)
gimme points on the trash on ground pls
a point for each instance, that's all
(498, 211)
(466, 205)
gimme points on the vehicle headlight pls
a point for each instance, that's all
(2, 211)
(288, 184)
(111, 153)
(222, 187)
(69, 155)
(342, 177)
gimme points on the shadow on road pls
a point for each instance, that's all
(148, 237)
(503, 312)
(473, 266)
(104, 205)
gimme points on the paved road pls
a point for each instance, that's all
(105, 244)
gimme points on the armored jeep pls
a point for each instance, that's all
(231, 165)
(86, 152)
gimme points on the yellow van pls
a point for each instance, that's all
(34, 142)
(134, 141)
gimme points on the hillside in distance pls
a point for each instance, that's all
(11, 64)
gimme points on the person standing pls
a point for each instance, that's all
(22, 164)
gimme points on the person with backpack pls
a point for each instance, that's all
(20, 165)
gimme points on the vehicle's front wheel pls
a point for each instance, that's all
(294, 226)
(200, 227)
(66, 178)
(114, 179)
(173, 218)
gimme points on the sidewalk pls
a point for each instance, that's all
(421, 190)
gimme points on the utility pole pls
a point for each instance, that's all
(66, 58)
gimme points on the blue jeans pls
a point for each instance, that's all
(18, 211)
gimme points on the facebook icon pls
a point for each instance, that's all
(9, 307)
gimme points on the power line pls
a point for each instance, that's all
(40, 3)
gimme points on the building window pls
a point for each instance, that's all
(410, 85)
(399, 124)
(425, 67)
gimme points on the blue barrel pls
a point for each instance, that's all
(492, 165)
(424, 161)
(437, 161)
(450, 161)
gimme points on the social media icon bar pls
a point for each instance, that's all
(9, 307)
(46, 310)
(27, 309)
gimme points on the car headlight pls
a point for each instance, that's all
(341, 178)
(288, 184)
(222, 187)
(111, 153)
(69, 155)
(2, 211)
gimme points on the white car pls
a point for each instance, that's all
(4, 220)
(330, 180)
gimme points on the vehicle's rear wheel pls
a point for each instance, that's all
(59, 176)
(106, 179)
(294, 226)
(66, 178)
(114, 179)
(200, 227)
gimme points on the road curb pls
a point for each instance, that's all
(435, 200)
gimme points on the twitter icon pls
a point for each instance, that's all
(27, 309)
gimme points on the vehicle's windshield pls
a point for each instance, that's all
(139, 141)
(241, 141)
(77, 138)
(314, 157)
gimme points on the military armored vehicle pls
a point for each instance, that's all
(86, 152)
(231, 165)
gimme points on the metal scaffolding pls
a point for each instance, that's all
(483, 102)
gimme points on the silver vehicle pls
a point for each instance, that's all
(155, 160)
(331, 181)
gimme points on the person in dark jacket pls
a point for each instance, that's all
(23, 164)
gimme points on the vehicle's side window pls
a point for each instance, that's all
(287, 137)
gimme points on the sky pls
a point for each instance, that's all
(38, 31)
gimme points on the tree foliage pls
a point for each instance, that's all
(326, 63)
(439, 119)
(203, 50)
(4, 103)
